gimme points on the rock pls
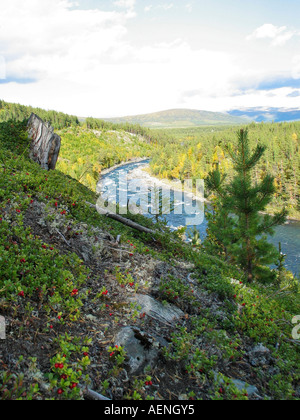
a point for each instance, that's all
(183, 397)
(259, 356)
(45, 144)
(118, 393)
(123, 376)
(140, 353)
(91, 318)
(273, 371)
(163, 313)
(241, 386)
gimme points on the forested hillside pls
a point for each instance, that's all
(85, 153)
(192, 153)
(181, 118)
(19, 112)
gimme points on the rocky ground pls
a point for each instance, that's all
(148, 181)
(131, 315)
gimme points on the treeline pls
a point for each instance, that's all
(17, 112)
(98, 124)
(60, 120)
(193, 153)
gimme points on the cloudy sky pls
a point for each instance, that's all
(122, 57)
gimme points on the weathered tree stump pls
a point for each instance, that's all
(45, 144)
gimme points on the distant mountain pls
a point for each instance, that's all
(181, 118)
(260, 114)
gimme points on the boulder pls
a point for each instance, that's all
(140, 350)
(259, 356)
(243, 386)
(163, 313)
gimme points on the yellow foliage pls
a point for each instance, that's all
(175, 173)
(97, 168)
(90, 181)
(218, 155)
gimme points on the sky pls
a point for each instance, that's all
(116, 58)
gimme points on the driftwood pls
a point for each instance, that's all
(124, 221)
(45, 144)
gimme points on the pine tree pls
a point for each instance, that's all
(239, 225)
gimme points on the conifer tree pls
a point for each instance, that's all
(239, 224)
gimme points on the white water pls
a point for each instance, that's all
(288, 235)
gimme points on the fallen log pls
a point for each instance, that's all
(123, 220)
(45, 144)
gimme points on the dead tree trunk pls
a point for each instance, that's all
(45, 144)
(124, 221)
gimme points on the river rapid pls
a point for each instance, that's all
(288, 234)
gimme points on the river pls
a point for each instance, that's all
(288, 234)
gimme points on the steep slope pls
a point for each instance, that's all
(85, 153)
(181, 118)
(74, 302)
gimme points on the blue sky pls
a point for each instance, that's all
(122, 57)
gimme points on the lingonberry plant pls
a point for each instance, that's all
(69, 367)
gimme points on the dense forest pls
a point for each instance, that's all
(17, 112)
(85, 153)
(97, 124)
(192, 153)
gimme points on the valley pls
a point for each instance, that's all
(97, 309)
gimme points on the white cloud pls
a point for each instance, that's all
(166, 6)
(2, 68)
(44, 38)
(249, 99)
(162, 6)
(268, 31)
(84, 63)
(126, 4)
(278, 34)
(296, 67)
(129, 4)
(189, 7)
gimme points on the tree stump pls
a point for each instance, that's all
(45, 144)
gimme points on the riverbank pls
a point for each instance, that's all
(150, 180)
(124, 163)
(289, 219)
(288, 235)
(145, 175)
